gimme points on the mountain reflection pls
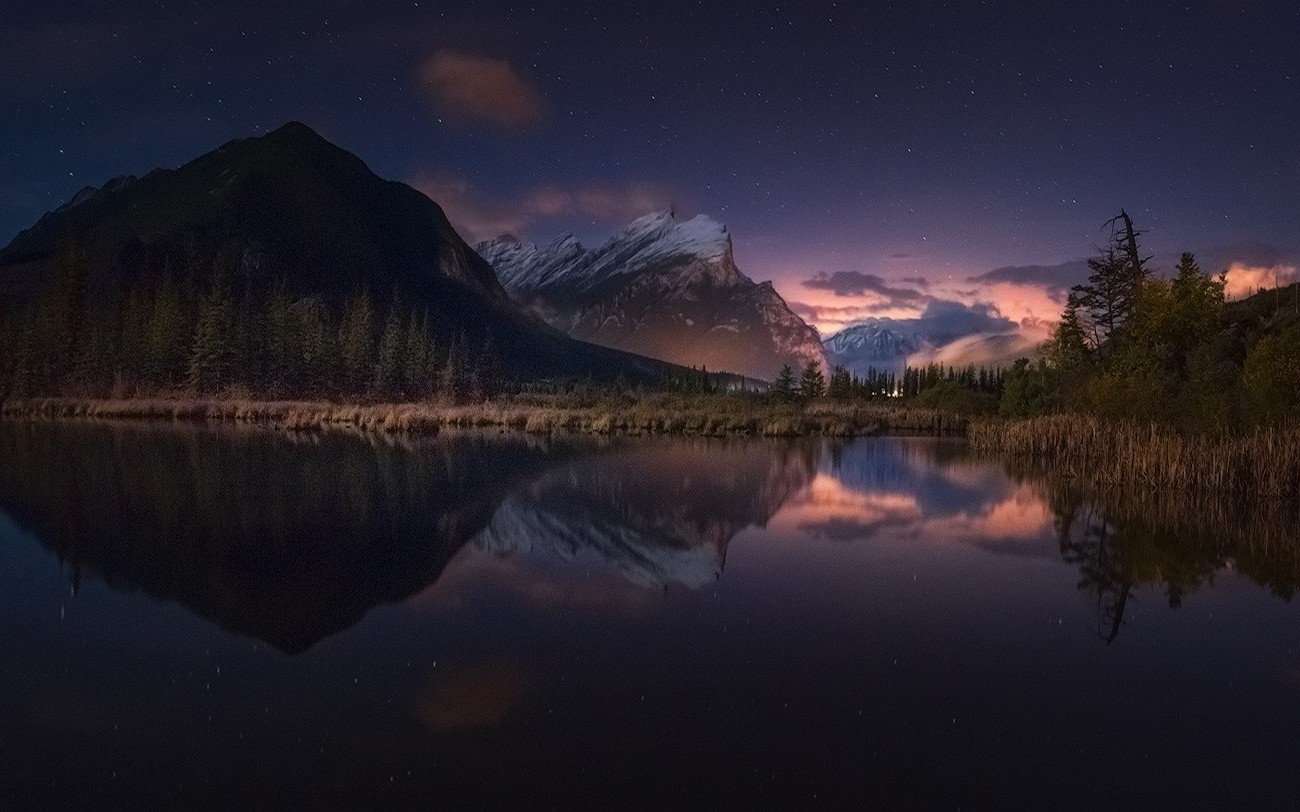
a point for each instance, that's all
(659, 513)
(285, 539)
(293, 538)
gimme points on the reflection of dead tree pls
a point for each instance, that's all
(1093, 551)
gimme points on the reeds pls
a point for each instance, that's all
(1264, 463)
(707, 415)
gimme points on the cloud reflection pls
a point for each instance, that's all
(481, 696)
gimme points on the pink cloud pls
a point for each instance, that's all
(480, 90)
(1244, 280)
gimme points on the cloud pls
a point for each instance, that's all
(944, 320)
(1244, 280)
(474, 698)
(478, 216)
(1055, 279)
(480, 90)
(855, 283)
(979, 349)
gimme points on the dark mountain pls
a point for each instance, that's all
(289, 208)
(664, 287)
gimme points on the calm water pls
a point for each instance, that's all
(241, 617)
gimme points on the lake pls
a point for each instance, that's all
(193, 614)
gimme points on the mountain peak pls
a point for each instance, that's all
(664, 287)
(296, 133)
(666, 235)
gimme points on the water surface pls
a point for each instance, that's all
(194, 614)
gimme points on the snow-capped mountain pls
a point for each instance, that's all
(872, 344)
(888, 346)
(663, 287)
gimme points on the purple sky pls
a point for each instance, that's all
(920, 145)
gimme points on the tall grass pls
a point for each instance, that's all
(710, 415)
(1265, 463)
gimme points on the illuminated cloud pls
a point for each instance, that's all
(979, 349)
(1055, 279)
(855, 283)
(480, 90)
(480, 217)
(1245, 280)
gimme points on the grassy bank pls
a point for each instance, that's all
(710, 415)
(1263, 463)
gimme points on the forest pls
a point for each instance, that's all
(1131, 345)
(1134, 346)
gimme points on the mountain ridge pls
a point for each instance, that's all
(663, 287)
(290, 209)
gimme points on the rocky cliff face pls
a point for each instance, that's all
(663, 287)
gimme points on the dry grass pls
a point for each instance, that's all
(709, 415)
(1264, 464)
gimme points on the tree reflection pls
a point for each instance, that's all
(1125, 540)
(292, 538)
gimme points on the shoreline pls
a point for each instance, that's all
(656, 414)
(1262, 464)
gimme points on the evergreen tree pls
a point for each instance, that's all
(389, 365)
(420, 370)
(841, 386)
(1068, 349)
(282, 355)
(1113, 285)
(317, 351)
(812, 384)
(356, 342)
(167, 342)
(783, 386)
(454, 384)
(211, 350)
(485, 379)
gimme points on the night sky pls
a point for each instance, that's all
(869, 161)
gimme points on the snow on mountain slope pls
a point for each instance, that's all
(662, 287)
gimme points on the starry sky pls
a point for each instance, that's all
(873, 159)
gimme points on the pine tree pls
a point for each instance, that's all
(841, 386)
(1113, 285)
(316, 363)
(211, 351)
(454, 384)
(812, 384)
(1068, 349)
(389, 365)
(487, 374)
(419, 372)
(783, 386)
(168, 342)
(280, 347)
(356, 342)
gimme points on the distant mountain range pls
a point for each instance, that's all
(956, 338)
(663, 287)
(289, 208)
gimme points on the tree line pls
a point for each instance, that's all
(163, 334)
(1130, 344)
(937, 385)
